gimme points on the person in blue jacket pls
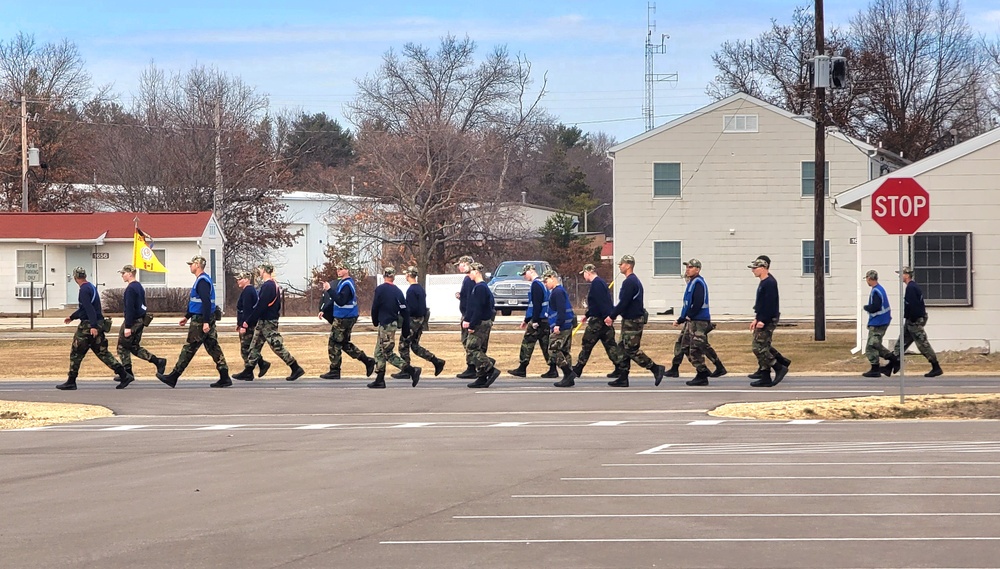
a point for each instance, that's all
(561, 324)
(879, 318)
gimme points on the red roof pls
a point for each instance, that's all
(118, 224)
(608, 250)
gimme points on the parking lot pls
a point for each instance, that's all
(330, 474)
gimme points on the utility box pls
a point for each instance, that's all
(821, 71)
(33, 157)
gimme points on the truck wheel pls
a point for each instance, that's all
(505, 311)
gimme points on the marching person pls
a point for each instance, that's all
(416, 304)
(766, 314)
(202, 314)
(561, 322)
(777, 355)
(345, 316)
(535, 324)
(696, 322)
(389, 312)
(915, 315)
(90, 334)
(681, 350)
(879, 318)
(634, 318)
(478, 321)
(599, 306)
(463, 264)
(244, 305)
(136, 320)
(262, 325)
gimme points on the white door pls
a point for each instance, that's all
(76, 257)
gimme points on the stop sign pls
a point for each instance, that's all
(900, 206)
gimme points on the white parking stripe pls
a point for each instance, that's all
(411, 425)
(785, 478)
(897, 463)
(508, 424)
(737, 515)
(764, 495)
(123, 428)
(317, 427)
(705, 422)
(687, 540)
(607, 423)
(219, 427)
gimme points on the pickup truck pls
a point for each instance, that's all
(510, 290)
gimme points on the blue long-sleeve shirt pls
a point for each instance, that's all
(388, 306)
(463, 295)
(913, 302)
(766, 306)
(248, 298)
(629, 299)
(480, 306)
(416, 301)
(135, 303)
(268, 305)
(599, 303)
(88, 306)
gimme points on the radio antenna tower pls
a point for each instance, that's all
(651, 77)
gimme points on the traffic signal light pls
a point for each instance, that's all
(838, 72)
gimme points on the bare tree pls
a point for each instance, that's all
(435, 135)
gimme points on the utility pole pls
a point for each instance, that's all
(217, 202)
(819, 192)
(651, 78)
(24, 153)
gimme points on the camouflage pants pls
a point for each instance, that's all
(559, 346)
(595, 331)
(195, 338)
(631, 338)
(476, 344)
(874, 348)
(694, 342)
(680, 351)
(267, 331)
(340, 341)
(531, 336)
(385, 348)
(246, 338)
(468, 355)
(84, 342)
(127, 347)
(913, 331)
(761, 346)
(412, 342)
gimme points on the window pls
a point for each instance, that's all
(151, 278)
(667, 180)
(666, 258)
(739, 123)
(809, 179)
(809, 257)
(30, 256)
(942, 264)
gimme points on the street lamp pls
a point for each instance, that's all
(586, 214)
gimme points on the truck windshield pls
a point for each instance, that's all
(508, 270)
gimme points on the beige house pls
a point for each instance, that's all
(954, 253)
(727, 183)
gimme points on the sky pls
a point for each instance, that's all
(306, 55)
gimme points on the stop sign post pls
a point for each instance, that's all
(900, 206)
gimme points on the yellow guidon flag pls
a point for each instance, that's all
(143, 257)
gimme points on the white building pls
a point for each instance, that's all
(954, 254)
(725, 184)
(44, 248)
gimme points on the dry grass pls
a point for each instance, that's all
(26, 414)
(949, 407)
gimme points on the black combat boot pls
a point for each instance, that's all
(757, 374)
(578, 370)
(369, 367)
(616, 373)
(161, 365)
(246, 374)
(895, 363)
(675, 366)
(69, 384)
(125, 373)
(400, 375)
(413, 373)
(334, 373)
(781, 359)
(438, 366)
(780, 371)
(720, 370)
(887, 369)
(622, 380)
(568, 378)
(224, 380)
(469, 373)
(701, 378)
(765, 379)
(379, 382)
(935, 370)
(873, 372)
(170, 379)
(297, 371)
(552, 373)
(658, 371)
(519, 371)
(262, 367)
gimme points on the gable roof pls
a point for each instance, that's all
(118, 225)
(919, 167)
(803, 120)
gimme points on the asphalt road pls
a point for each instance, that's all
(330, 474)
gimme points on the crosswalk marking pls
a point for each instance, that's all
(317, 427)
(607, 423)
(866, 447)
